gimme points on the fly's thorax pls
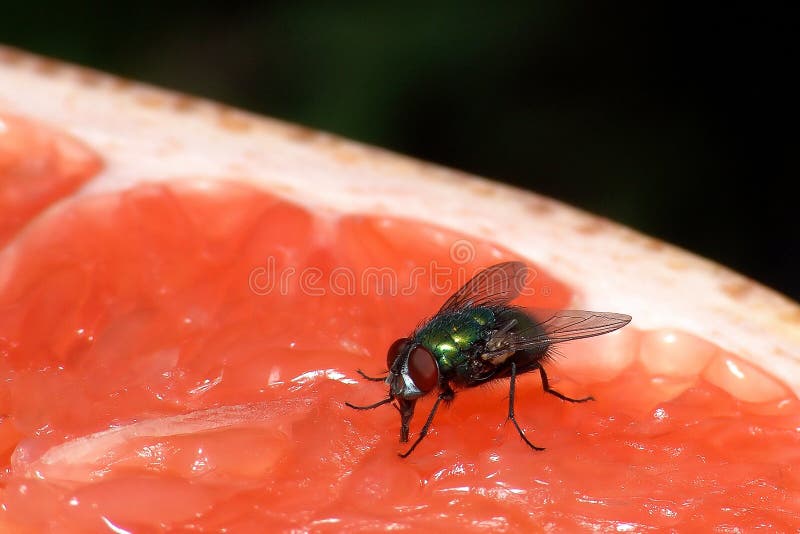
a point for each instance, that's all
(451, 337)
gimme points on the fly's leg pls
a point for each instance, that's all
(372, 378)
(446, 395)
(546, 387)
(371, 406)
(511, 408)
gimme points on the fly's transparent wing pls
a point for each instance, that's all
(549, 327)
(566, 325)
(494, 286)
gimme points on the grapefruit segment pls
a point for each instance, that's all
(194, 384)
(38, 166)
(743, 380)
(675, 354)
(176, 353)
(231, 441)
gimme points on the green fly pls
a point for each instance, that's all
(477, 337)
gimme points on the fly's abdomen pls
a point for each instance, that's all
(451, 337)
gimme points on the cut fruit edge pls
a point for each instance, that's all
(149, 134)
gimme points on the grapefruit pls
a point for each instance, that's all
(186, 292)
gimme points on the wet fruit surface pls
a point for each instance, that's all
(178, 356)
(37, 167)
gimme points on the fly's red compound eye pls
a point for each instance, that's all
(422, 369)
(395, 350)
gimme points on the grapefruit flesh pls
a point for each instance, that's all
(38, 166)
(179, 356)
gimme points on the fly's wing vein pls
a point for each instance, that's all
(494, 286)
(558, 327)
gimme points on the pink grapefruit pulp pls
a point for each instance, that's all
(155, 378)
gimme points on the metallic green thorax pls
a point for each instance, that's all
(452, 337)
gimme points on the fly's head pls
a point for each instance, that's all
(413, 370)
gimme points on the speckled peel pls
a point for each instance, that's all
(146, 133)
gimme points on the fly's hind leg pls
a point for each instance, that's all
(511, 409)
(546, 387)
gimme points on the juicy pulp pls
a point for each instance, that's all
(179, 356)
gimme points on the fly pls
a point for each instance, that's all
(477, 337)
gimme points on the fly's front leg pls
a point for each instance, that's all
(371, 378)
(446, 395)
(370, 406)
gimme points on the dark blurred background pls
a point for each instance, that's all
(670, 119)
